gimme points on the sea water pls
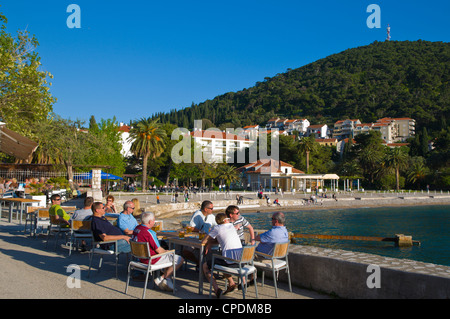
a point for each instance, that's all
(428, 224)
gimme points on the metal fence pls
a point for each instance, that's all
(22, 175)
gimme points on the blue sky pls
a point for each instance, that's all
(131, 59)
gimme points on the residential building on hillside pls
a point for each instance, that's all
(320, 130)
(344, 128)
(403, 128)
(276, 123)
(392, 129)
(250, 132)
(327, 141)
(299, 125)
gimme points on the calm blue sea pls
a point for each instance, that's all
(428, 224)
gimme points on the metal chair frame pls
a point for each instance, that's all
(280, 252)
(245, 269)
(141, 250)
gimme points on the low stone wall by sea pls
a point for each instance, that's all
(357, 275)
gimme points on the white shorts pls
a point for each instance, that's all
(168, 259)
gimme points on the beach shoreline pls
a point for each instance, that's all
(175, 212)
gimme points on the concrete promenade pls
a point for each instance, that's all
(31, 271)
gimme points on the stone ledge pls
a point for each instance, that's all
(345, 274)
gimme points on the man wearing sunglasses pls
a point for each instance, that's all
(239, 222)
(202, 220)
(126, 221)
(57, 210)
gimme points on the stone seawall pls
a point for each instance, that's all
(346, 274)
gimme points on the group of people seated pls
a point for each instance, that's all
(226, 229)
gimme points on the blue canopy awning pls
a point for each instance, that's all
(104, 176)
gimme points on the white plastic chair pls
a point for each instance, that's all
(140, 250)
(96, 249)
(275, 262)
(245, 268)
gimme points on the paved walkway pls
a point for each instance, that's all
(29, 270)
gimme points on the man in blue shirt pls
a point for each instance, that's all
(126, 221)
(278, 234)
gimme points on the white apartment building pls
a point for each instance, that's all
(392, 130)
(344, 128)
(300, 125)
(218, 146)
(320, 130)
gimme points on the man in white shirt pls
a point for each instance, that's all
(202, 220)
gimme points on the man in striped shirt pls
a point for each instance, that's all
(239, 223)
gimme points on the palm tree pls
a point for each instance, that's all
(227, 173)
(417, 171)
(147, 139)
(307, 145)
(396, 159)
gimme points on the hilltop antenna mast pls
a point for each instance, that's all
(388, 37)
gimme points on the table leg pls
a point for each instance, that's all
(10, 212)
(200, 269)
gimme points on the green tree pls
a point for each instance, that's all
(25, 97)
(308, 145)
(396, 159)
(147, 139)
(227, 173)
(370, 152)
(61, 142)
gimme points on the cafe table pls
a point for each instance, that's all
(189, 240)
(21, 204)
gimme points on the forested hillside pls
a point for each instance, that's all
(394, 79)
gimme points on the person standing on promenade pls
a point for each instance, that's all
(239, 222)
(126, 221)
(103, 230)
